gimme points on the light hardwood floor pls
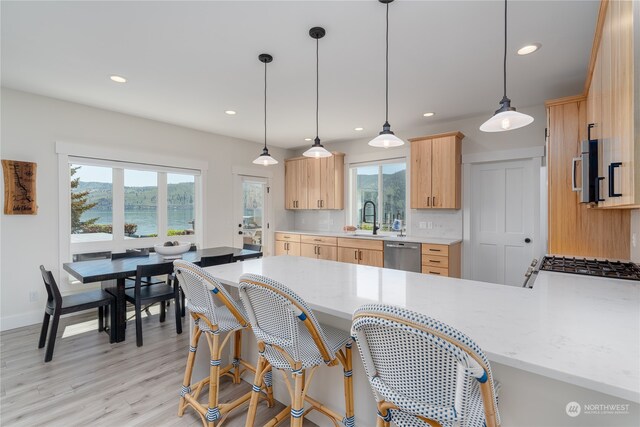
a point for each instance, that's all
(92, 382)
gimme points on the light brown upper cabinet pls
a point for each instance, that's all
(315, 183)
(610, 105)
(436, 171)
(295, 183)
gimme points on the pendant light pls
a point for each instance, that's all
(317, 150)
(506, 117)
(265, 158)
(386, 138)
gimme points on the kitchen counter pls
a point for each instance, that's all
(391, 238)
(575, 329)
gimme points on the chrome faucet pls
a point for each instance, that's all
(375, 216)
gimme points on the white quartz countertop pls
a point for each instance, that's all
(577, 329)
(392, 237)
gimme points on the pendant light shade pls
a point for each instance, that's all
(506, 117)
(265, 158)
(317, 150)
(386, 138)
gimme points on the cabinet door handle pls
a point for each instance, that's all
(318, 249)
(315, 250)
(436, 261)
(434, 272)
(574, 161)
(433, 203)
(322, 203)
(435, 250)
(428, 200)
(360, 255)
(317, 203)
(597, 184)
(612, 187)
(356, 255)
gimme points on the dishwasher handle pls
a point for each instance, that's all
(401, 246)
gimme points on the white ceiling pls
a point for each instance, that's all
(188, 62)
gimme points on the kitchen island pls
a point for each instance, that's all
(570, 338)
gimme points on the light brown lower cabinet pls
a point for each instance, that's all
(287, 248)
(310, 250)
(441, 260)
(361, 251)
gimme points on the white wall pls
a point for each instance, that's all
(446, 223)
(31, 125)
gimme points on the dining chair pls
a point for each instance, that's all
(252, 247)
(422, 371)
(291, 339)
(57, 305)
(135, 254)
(216, 314)
(153, 293)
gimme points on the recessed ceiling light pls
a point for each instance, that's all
(358, 129)
(307, 139)
(429, 114)
(118, 79)
(230, 112)
(530, 48)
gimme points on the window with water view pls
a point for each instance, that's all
(143, 211)
(385, 185)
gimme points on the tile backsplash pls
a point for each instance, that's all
(443, 223)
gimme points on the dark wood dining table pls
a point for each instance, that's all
(106, 270)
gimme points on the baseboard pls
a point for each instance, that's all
(20, 320)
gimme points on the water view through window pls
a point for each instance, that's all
(92, 203)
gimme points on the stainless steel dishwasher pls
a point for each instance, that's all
(403, 256)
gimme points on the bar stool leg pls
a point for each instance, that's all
(297, 403)
(213, 412)
(237, 352)
(349, 420)
(186, 382)
(255, 393)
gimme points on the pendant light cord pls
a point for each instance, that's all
(504, 63)
(386, 114)
(265, 105)
(317, 83)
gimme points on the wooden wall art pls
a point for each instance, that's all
(19, 187)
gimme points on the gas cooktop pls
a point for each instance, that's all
(591, 267)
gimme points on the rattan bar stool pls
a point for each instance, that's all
(202, 293)
(423, 372)
(291, 340)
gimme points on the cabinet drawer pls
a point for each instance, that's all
(430, 249)
(376, 245)
(319, 240)
(435, 261)
(426, 269)
(288, 237)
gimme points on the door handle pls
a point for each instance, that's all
(428, 200)
(240, 225)
(315, 250)
(240, 232)
(527, 240)
(574, 161)
(360, 255)
(435, 261)
(612, 188)
(434, 272)
(318, 249)
(597, 184)
(318, 203)
(356, 255)
(433, 203)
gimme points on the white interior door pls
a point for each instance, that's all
(251, 222)
(502, 220)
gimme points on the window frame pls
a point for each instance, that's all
(119, 160)
(352, 215)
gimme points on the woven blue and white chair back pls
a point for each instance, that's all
(206, 296)
(424, 368)
(276, 312)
